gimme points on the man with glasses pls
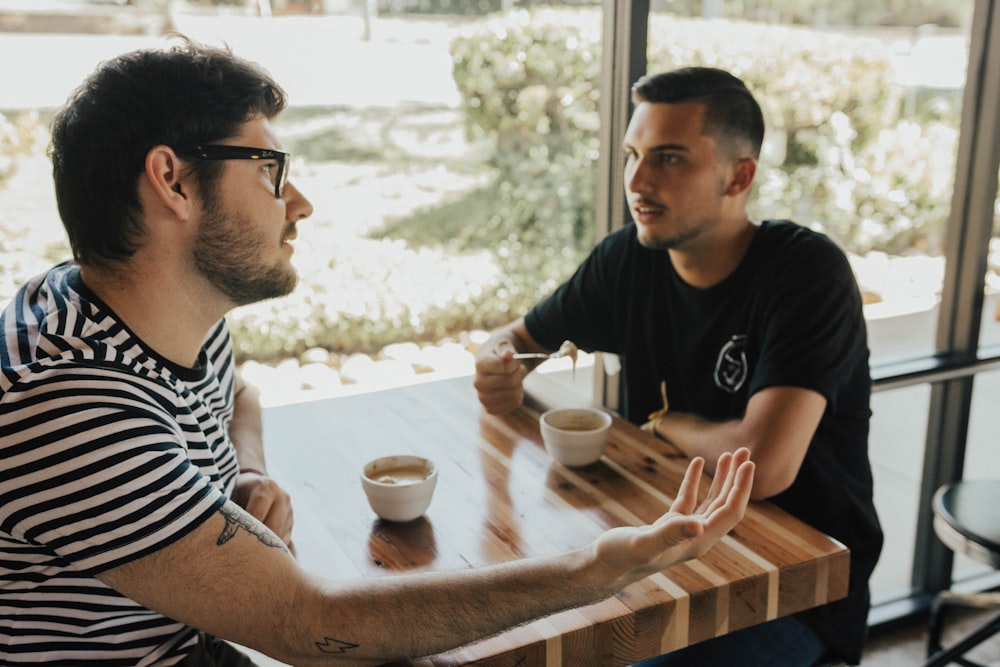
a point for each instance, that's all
(731, 332)
(138, 524)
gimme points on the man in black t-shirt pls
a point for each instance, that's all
(731, 332)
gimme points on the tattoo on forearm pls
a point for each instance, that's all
(331, 645)
(236, 520)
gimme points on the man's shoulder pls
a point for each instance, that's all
(80, 378)
(796, 245)
(786, 233)
(50, 330)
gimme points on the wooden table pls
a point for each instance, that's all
(500, 497)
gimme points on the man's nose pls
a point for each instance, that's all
(637, 180)
(298, 206)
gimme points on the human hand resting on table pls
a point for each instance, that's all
(266, 501)
(689, 529)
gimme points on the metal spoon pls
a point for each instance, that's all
(540, 355)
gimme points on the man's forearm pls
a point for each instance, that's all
(459, 607)
(274, 606)
(777, 427)
(696, 436)
(454, 608)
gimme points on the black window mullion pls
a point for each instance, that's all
(625, 35)
(966, 248)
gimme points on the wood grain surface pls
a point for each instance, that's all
(500, 497)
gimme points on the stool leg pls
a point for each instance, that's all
(935, 624)
(953, 654)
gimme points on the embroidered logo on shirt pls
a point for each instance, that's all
(731, 368)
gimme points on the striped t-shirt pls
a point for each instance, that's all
(108, 453)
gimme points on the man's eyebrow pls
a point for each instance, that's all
(669, 147)
(663, 148)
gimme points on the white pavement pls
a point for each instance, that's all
(320, 60)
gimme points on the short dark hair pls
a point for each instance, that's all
(186, 95)
(732, 113)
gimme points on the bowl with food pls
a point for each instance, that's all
(575, 436)
(399, 487)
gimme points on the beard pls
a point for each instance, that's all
(651, 240)
(654, 239)
(230, 259)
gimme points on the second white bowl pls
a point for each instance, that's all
(575, 436)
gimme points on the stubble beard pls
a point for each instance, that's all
(648, 239)
(661, 237)
(230, 260)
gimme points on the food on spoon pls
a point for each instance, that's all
(569, 349)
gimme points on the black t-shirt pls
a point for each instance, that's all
(789, 315)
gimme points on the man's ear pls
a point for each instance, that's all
(744, 169)
(169, 181)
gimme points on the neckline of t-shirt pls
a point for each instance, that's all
(745, 265)
(188, 374)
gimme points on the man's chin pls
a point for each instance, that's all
(264, 290)
(287, 287)
(648, 239)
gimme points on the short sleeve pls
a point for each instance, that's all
(814, 331)
(95, 472)
(584, 309)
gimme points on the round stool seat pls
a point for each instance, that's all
(965, 519)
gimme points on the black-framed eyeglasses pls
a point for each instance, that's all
(227, 152)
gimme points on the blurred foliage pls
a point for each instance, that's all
(31, 236)
(20, 137)
(444, 7)
(839, 156)
(529, 82)
(846, 152)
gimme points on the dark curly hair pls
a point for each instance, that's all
(186, 95)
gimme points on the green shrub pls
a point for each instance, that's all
(832, 161)
(833, 114)
(951, 13)
(529, 82)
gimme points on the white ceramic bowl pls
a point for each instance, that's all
(575, 436)
(399, 488)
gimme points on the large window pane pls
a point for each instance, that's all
(449, 148)
(896, 446)
(862, 103)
